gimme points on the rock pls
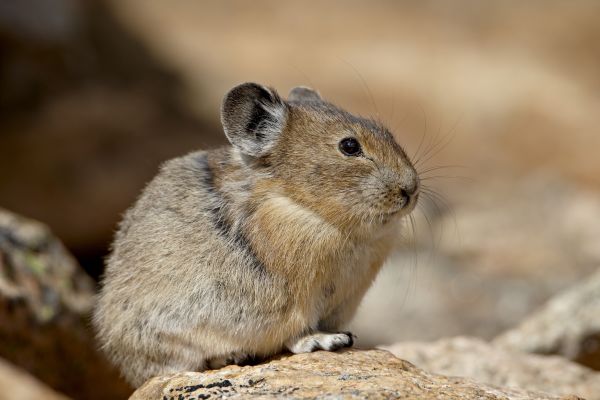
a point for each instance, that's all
(373, 374)
(478, 360)
(569, 325)
(37, 271)
(45, 304)
(23, 386)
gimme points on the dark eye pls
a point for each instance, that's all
(350, 147)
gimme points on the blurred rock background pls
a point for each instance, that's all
(504, 94)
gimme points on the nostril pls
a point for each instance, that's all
(409, 191)
(406, 195)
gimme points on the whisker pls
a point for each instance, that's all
(458, 177)
(452, 134)
(436, 141)
(414, 157)
(365, 86)
(437, 167)
(442, 205)
(429, 224)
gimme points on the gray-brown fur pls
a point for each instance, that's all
(248, 250)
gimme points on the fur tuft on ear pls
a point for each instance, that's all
(304, 94)
(253, 116)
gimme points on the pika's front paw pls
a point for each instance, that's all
(321, 341)
(338, 341)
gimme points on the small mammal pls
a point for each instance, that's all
(265, 245)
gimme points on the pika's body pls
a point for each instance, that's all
(248, 250)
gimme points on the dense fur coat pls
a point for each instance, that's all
(267, 245)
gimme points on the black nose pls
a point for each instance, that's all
(406, 195)
(409, 191)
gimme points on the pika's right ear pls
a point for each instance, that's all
(304, 94)
(253, 116)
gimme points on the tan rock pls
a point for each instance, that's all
(37, 271)
(352, 374)
(475, 359)
(569, 324)
(23, 386)
(45, 302)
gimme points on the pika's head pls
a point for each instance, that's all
(347, 169)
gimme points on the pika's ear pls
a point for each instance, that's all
(253, 116)
(304, 94)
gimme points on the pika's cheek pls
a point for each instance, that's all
(374, 194)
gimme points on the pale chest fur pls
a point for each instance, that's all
(323, 267)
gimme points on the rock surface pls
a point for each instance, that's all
(569, 325)
(23, 386)
(478, 360)
(37, 271)
(356, 374)
(45, 301)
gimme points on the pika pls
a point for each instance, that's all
(265, 245)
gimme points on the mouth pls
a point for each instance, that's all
(404, 209)
(412, 203)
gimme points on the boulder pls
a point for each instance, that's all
(23, 386)
(358, 374)
(478, 360)
(569, 325)
(45, 304)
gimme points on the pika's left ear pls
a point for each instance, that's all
(253, 117)
(304, 94)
